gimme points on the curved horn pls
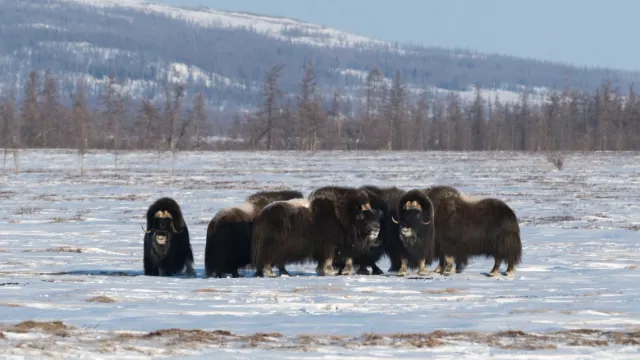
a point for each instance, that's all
(394, 220)
(146, 231)
(426, 223)
(174, 229)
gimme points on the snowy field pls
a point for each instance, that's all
(71, 283)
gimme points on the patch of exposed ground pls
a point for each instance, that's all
(101, 299)
(69, 249)
(59, 335)
(211, 290)
(440, 291)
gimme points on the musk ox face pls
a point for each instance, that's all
(163, 228)
(413, 221)
(367, 223)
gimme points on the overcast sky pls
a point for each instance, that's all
(581, 32)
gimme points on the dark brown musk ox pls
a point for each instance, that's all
(332, 221)
(228, 243)
(394, 247)
(467, 227)
(385, 200)
(436, 193)
(417, 233)
(167, 247)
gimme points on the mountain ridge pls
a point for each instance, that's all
(226, 55)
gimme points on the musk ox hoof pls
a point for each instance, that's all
(402, 273)
(347, 271)
(325, 272)
(438, 270)
(363, 271)
(190, 272)
(423, 272)
(493, 273)
(509, 273)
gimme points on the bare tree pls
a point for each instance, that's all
(29, 111)
(270, 109)
(81, 118)
(200, 115)
(12, 131)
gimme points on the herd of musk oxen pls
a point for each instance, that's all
(339, 228)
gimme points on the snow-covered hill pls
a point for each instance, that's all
(227, 54)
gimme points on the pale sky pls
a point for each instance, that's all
(581, 32)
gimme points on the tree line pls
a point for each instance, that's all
(387, 116)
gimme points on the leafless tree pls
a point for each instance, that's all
(81, 118)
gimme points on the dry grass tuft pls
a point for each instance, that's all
(211, 290)
(68, 249)
(440, 291)
(10, 305)
(101, 299)
(316, 288)
(26, 210)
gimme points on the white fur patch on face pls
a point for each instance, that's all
(373, 235)
(299, 202)
(407, 232)
(161, 239)
(366, 207)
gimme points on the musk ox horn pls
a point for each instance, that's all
(174, 229)
(146, 231)
(426, 223)
(394, 220)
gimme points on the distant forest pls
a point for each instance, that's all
(227, 65)
(386, 119)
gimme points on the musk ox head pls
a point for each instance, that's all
(367, 224)
(163, 229)
(415, 213)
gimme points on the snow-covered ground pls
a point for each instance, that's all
(71, 251)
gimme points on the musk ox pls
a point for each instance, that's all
(467, 227)
(333, 220)
(436, 193)
(228, 243)
(167, 247)
(417, 234)
(384, 200)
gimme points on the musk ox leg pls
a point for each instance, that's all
(496, 266)
(422, 268)
(161, 272)
(235, 273)
(325, 268)
(191, 272)
(375, 270)
(461, 263)
(441, 264)
(268, 271)
(282, 270)
(348, 267)
(403, 268)
(511, 269)
(448, 269)
(362, 270)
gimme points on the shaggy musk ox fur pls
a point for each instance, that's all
(417, 233)
(167, 248)
(436, 194)
(476, 227)
(394, 248)
(331, 221)
(384, 200)
(228, 244)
